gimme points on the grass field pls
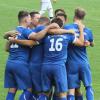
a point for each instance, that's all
(8, 20)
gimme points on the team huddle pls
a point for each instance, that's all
(47, 58)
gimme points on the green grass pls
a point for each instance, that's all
(8, 21)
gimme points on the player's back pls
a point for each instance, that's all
(55, 47)
(77, 53)
(20, 52)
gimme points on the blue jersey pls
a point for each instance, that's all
(55, 47)
(76, 53)
(37, 51)
(17, 51)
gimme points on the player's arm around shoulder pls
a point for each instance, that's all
(60, 31)
(10, 33)
(11, 37)
(29, 43)
(42, 33)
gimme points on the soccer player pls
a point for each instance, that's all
(77, 64)
(63, 17)
(46, 5)
(55, 55)
(35, 16)
(36, 63)
(59, 11)
(36, 59)
(17, 72)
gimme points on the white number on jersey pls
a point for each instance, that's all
(14, 45)
(57, 46)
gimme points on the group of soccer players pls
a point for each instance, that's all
(47, 53)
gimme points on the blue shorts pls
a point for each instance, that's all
(17, 75)
(54, 74)
(78, 72)
(35, 70)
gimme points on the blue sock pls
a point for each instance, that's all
(89, 93)
(70, 97)
(33, 97)
(42, 97)
(54, 97)
(10, 96)
(57, 98)
(25, 95)
(79, 97)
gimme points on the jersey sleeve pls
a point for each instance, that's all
(39, 28)
(27, 32)
(72, 38)
(67, 27)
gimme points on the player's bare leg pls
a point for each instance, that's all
(50, 11)
(11, 94)
(44, 7)
(42, 12)
(78, 94)
(60, 96)
(71, 94)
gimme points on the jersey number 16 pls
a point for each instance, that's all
(56, 45)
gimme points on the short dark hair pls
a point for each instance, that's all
(32, 14)
(22, 14)
(80, 13)
(45, 20)
(57, 10)
(58, 21)
(60, 14)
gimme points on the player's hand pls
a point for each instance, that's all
(86, 43)
(12, 33)
(53, 25)
(11, 39)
